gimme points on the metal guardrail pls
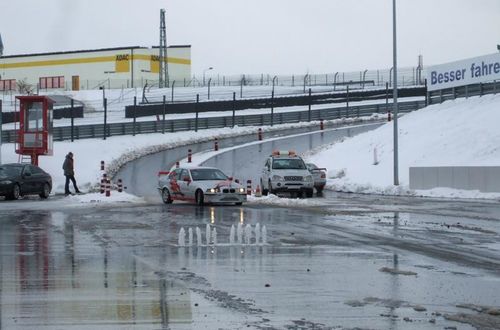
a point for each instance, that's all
(439, 96)
(187, 124)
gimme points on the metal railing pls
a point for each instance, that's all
(187, 124)
(439, 96)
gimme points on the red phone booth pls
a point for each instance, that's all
(35, 127)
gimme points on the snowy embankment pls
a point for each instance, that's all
(463, 132)
(119, 150)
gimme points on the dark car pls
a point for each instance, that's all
(319, 176)
(24, 179)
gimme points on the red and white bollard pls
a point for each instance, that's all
(216, 145)
(120, 185)
(177, 164)
(190, 155)
(103, 183)
(259, 134)
(108, 188)
(321, 125)
(102, 165)
(249, 187)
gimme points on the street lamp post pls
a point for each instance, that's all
(204, 71)
(395, 94)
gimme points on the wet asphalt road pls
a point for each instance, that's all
(140, 176)
(340, 264)
(342, 261)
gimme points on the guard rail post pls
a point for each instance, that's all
(309, 110)
(427, 93)
(105, 117)
(72, 121)
(234, 107)
(272, 107)
(134, 115)
(190, 156)
(347, 104)
(164, 106)
(196, 109)
(216, 145)
(387, 102)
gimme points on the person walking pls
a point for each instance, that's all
(69, 173)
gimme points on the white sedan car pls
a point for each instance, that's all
(200, 185)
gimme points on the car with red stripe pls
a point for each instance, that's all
(200, 185)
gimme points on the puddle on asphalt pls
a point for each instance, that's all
(71, 270)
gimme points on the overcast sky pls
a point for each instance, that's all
(261, 36)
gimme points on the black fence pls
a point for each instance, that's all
(144, 110)
(60, 113)
(188, 124)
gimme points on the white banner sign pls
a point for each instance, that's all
(460, 73)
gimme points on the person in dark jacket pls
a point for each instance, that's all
(69, 173)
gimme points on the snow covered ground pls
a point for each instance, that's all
(118, 150)
(460, 132)
(463, 132)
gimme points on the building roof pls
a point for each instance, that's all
(91, 51)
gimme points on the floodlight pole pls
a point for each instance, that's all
(395, 94)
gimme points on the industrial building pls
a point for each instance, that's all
(124, 67)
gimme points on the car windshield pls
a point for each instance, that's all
(289, 164)
(207, 174)
(7, 171)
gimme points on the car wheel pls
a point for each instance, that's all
(16, 192)
(264, 191)
(319, 190)
(309, 193)
(46, 191)
(165, 196)
(238, 204)
(199, 197)
(270, 187)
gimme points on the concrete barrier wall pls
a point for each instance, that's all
(482, 178)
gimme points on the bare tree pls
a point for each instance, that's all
(24, 88)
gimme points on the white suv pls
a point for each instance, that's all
(286, 172)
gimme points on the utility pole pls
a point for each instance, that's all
(395, 94)
(163, 78)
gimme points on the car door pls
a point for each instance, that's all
(186, 185)
(38, 178)
(28, 185)
(173, 184)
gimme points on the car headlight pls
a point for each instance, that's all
(308, 178)
(5, 182)
(213, 190)
(277, 178)
(242, 190)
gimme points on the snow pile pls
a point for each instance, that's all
(463, 132)
(102, 199)
(282, 201)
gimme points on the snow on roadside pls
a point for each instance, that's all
(101, 198)
(463, 132)
(283, 201)
(116, 151)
